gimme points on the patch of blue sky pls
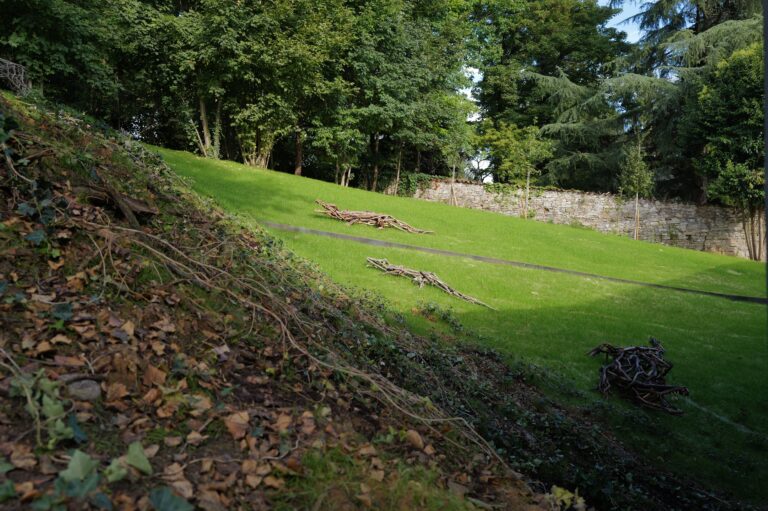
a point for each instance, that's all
(621, 20)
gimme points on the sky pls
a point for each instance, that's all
(630, 8)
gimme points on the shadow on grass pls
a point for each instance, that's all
(718, 351)
(553, 320)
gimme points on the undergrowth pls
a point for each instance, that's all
(333, 480)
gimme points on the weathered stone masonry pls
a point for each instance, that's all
(708, 228)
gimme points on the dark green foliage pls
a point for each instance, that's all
(322, 84)
(521, 39)
(368, 93)
(65, 45)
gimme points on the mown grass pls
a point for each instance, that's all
(284, 198)
(718, 346)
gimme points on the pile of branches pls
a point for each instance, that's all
(378, 220)
(640, 372)
(421, 278)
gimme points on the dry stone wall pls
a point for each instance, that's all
(708, 228)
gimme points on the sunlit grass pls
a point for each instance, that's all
(289, 199)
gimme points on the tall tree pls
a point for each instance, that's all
(636, 179)
(519, 152)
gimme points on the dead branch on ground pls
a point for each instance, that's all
(640, 372)
(421, 278)
(378, 220)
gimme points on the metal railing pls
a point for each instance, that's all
(15, 76)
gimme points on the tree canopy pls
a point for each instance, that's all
(361, 92)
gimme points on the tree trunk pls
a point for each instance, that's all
(755, 237)
(216, 143)
(703, 184)
(200, 144)
(747, 236)
(527, 191)
(375, 162)
(299, 153)
(637, 214)
(397, 173)
(336, 173)
(418, 161)
(453, 179)
(759, 229)
(204, 126)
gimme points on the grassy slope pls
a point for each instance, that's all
(282, 198)
(553, 319)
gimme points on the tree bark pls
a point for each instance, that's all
(204, 126)
(637, 214)
(200, 144)
(418, 161)
(397, 173)
(759, 237)
(747, 236)
(216, 142)
(297, 167)
(375, 162)
(527, 191)
(453, 179)
(703, 184)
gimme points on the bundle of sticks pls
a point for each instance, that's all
(421, 278)
(640, 372)
(379, 220)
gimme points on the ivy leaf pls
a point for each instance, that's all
(25, 209)
(5, 466)
(44, 503)
(36, 237)
(115, 471)
(62, 311)
(77, 489)
(101, 501)
(77, 432)
(163, 499)
(80, 466)
(7, 490)
(47, 216)
(52, 408)
(58, 431)
(137, 459)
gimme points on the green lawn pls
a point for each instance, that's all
(718, 346)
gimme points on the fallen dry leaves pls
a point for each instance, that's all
(237, 424)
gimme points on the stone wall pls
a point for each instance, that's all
(708, 228)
